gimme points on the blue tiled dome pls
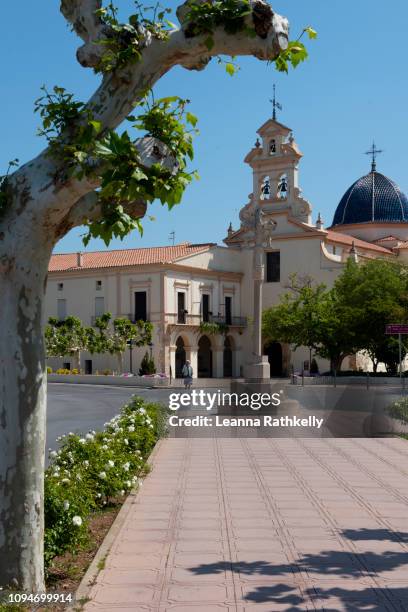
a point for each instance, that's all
(373, 198)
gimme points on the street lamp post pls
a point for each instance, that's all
(131, 355)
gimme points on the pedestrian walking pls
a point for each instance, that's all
(187, 373)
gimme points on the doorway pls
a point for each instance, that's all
(180, 357)
(274, 352)
(227, 358)
(204, 365)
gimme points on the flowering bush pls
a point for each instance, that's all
(89, 471)
(399, 410)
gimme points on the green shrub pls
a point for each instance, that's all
(90, 471)
(49, 370)
(147, 365)
(63, 371)
(399, 410)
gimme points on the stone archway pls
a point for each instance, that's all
(275, 357)
(228, 364)
(180, 356)
(204, 358)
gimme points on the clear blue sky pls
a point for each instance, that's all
(353, 88)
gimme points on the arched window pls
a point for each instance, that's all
(283, 187)
(272, 147)
(266, 188)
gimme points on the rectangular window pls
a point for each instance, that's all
(181, 307)
(228, 310)
(60, 286)
(62, 309)
(140, 306)
(99, 306)
(273, 267)
(98, 285)
(205, 306)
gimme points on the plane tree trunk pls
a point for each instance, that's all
(22, 410)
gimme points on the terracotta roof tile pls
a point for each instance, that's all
(348, 240)
(127, 257)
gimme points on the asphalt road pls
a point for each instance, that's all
(347, 410)
(79, 408)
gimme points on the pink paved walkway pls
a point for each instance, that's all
(264, 525)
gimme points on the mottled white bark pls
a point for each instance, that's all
(22, 409)
(43, 207)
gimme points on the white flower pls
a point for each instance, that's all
(138, 452)
(122, 492)
(99, 495)
(82, 440)
(128, 484)
(55, 474)
(66, 505)
(105, 447)
(89, 437)
(126, 466)
(131, 428)
(77, 521)
(110, 464)
(65, 480)
(53, 454)
(102, 475)
(86, 463)
(126, 441)
(142, 411)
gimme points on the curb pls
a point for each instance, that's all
(93, 570)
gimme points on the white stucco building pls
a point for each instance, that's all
(179, 286)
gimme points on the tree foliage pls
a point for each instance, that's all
(350, 317)
(70, 337)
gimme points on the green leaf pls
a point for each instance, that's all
(192, 119)
(311, 33)
(170, 24)
(97, 126)
(230, 68)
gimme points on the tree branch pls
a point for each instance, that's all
(37, 188)
(121, 90)
(81, 14)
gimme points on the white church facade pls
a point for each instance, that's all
(179, 287)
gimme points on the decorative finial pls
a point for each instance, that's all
(258, 143)
(374, 152)
(230, 230)
(275, 104)
(319, 222)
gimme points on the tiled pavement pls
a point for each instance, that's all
(264, 525)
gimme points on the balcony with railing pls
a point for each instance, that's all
(184, 318)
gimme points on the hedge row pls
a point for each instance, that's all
(89, 471)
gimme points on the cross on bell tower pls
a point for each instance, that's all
(275, 104)
(374, 152)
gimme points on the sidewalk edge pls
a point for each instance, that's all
(93, 570)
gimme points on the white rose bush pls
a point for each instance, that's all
(90, 472)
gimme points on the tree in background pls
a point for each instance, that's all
(370, 296)
(91, 175)
(66, 338)
(139, 333)
(350, 317)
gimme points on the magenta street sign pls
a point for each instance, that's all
(396, 329)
